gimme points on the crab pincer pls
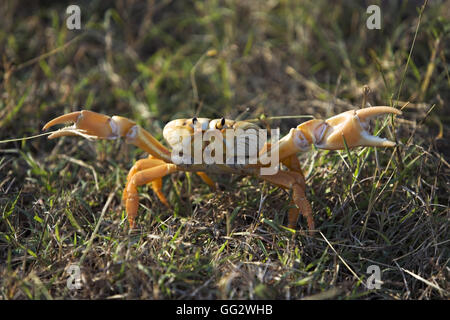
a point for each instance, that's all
(350, 126)
(90, 125)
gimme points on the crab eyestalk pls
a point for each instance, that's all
(349, 128)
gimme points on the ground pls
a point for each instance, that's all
(60, 200)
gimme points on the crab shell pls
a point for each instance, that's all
(198, 132)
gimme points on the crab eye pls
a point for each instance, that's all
(219, 125)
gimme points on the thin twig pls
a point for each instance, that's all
(343, 261)
(26, 138)
(410, 52)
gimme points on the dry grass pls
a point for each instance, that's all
(60, 200)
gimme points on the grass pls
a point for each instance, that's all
(60, 201)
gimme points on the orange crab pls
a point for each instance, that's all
(346, 129)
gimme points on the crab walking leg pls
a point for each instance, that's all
(157, 184)
(143, 164)
(141, 178)
(157, 189)
(293, 164)
(206, 179)
(92, 125)
(294, 181)
(299, 196)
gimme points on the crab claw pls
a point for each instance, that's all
(90, 125)
(350, 126)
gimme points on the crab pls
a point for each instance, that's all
(345, 130)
